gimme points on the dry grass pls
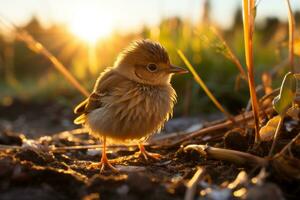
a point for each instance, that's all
(40, 49)
(248, 19)
(204, 87)
(291, 35)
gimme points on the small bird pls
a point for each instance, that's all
(133, 99)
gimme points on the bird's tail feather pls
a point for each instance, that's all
(80, 107)
(80, 119)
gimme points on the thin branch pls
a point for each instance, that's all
(242, 118)
(199, 133)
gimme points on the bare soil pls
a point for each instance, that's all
(36, 172)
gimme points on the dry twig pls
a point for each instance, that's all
(242, 118)
(237, 157)
(192, 184)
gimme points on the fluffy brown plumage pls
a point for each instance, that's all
(134, 98)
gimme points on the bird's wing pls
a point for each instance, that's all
(89, 104)
(104, 84)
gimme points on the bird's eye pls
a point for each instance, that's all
(152, 67)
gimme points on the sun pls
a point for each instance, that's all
(90, 25)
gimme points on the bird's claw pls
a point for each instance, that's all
(102, 165)
(146, 155)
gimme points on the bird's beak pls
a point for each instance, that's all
(177, 70)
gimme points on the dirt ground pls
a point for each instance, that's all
(33, 169)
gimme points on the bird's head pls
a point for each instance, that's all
(147, 62)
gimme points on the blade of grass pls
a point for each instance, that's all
(248, 22)
(39, 48)
(204, 87)
(291, 35)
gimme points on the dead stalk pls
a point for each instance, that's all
(192, 184)
(291, 35)
(39, 48)
(237, 157)
(204, 87)
(248, 19)
(201, 132)
(240, 119)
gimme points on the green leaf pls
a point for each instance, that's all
(287, 94)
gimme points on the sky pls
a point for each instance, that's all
(131, 14)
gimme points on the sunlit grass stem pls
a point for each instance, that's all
(248, 22)
(291, 35)
(39, 48)
(204, 87)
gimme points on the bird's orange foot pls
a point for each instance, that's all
(145, 154)
(104, 163)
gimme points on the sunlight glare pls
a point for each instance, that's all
(90, 25)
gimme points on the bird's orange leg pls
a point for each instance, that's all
(104, 160)
(147, 154)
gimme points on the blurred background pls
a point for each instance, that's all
(87, 35)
